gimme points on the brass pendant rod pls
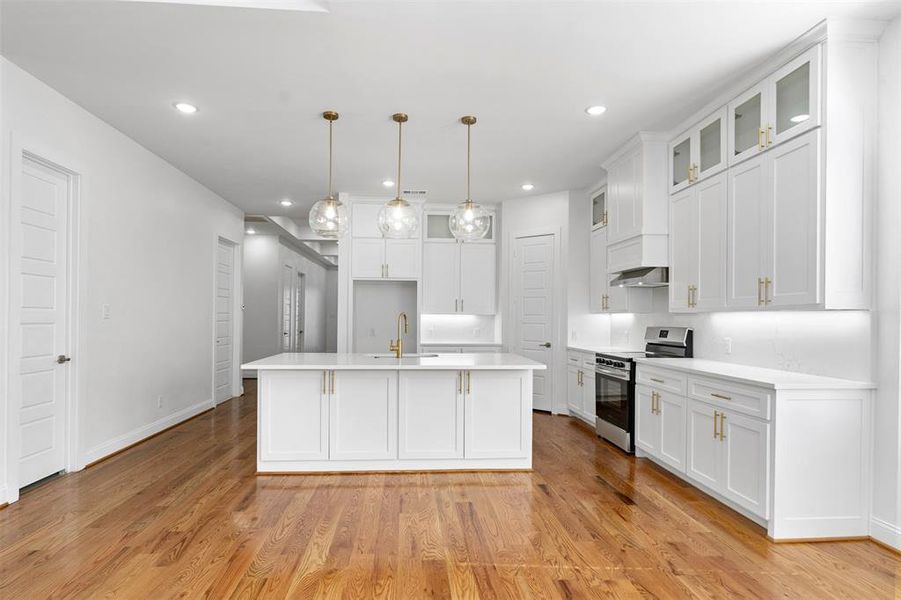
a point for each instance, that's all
(400, 126)
(468, 160)
(330, 158)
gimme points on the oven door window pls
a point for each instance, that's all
(612, 401)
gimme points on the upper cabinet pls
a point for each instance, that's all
(785, 104)
(599, 208)
(437, 228)
(374, 257)
(699, 152)
(604, 298)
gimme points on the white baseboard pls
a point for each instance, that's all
(249, 374)
(885, 532)
(136, 435)
(3, 497)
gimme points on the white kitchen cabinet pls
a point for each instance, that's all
(698, 243)
(647, 425)
(773, 215)
(459, 277)
(588, 394)
(745, 447)
(364, 220)
(660, 425)
(294, 415)
(703, 461)
(363, 415)
(699, 152)
(604, 298)
(574, 390)
(599, 208)
(437, 227)
(430, 414)
(785, 104)
(496, 408)
(376, 258)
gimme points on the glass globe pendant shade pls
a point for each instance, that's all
(328, 218)
(469, 221)
(398, 219)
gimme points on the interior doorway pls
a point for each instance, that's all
(224, 345)
(299, 310)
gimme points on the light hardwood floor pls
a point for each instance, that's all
(184, 515)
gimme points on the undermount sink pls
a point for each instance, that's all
(392, 355)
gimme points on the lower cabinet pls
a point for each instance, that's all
(363, 415)
(588, 396)
(430, 407)
(660, 420)
(293, 421)
(496, 408)
(574, 390)
(580, 380)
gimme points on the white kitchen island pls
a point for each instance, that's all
(363, 412)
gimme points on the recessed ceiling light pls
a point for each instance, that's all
(528, 187)
(188, 109)
(250, 231)
(596, 110)
(388, 183)
(799, 118)
(286, 202)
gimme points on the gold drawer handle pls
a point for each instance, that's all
(720, 396)
(657, 380)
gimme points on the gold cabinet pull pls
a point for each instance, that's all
(760, 141)
(716, 415)
(767, 282)
(722, 426)
(760, 300)
(720, 396)
(324, 378)
(656, 380)
(333, 382)
(769, 131)
(469, 382)
(605, 218)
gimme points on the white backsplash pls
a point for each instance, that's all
(437, 329)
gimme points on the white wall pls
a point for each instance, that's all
(527, 216)
(147, 242)
(264, 257)
(886, 516)
(459, 329)
(331, 310)
(377, 305)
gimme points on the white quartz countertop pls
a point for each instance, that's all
(773, 378)
(601, 349)
(452, 361)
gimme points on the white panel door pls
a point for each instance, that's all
(225, 276)
(672, 429)
(430, 409)
(478, 281)
(703, 461)
(440, 278)
(286, 309)
(496, 418)
(40, 293)
(363, 415)
(683, 271)
(746, 457)
(647, 425)
(533, 310)
(294, 415)
(710, 212)
(746, 217)
(793, 243)
(367, 259)
(402, 259)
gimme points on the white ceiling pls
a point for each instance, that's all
(527, 70)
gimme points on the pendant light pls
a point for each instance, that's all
(469, 221)
(397, 219)
(328, 217)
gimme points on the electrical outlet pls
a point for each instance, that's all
(159, 402)
(727, 345)
(104, 312)
(476, 332)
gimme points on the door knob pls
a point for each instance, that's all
(62, 358)
(546, 345)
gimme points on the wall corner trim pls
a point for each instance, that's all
(885, 533)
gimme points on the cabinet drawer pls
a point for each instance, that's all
(588, 362)
(574, 358)
(741, 398)
(661, 379)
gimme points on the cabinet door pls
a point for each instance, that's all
(294, 416)
(430, 411)
(365, 220)
(588, 396)
(367, 258)
(440, 278)
(746, 457)
(363, 415)
(477, 279)
(597, 270)
(746, 218)
(794, 98)
(703, 460)
(672, 429)
(792, 250)
(710, 227)
(402, 259)
(599, 208)
(711, 143)
(747, 118)
(683, 272)
(497, 415)
(647, 425)
(573, 391)
(681, 161)
(631, 210)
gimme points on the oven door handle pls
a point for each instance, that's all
(612, 374)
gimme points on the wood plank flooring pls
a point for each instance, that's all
(184, 515)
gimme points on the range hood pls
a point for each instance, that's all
(643, 277)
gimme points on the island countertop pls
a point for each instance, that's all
(452, 361)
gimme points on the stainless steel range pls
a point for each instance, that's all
(615, 381)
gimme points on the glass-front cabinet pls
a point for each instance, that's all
(437, 228)
(699, 152)
(780, 107)
(599, 207)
